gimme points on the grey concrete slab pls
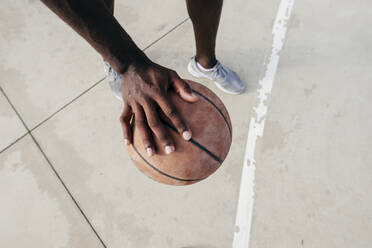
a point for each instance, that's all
(314, 171)
(35, 210)
(84, 142)
(11, 127)
(44, 64)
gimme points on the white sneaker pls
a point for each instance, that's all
(224, 78)
(114, 79)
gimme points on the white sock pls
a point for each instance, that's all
(202, 68)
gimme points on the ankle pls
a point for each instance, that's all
(206, 62)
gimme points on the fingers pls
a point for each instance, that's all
(157, 126)
(146, 118)
(172, 114)
(183, 89)
(142, 128)
(142, 103)
(125, 123)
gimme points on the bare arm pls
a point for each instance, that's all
(145, 84)
(94, 22)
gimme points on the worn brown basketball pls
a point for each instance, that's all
(198, 158)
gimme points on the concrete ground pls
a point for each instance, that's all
(67, 181)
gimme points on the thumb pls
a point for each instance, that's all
(183, 90)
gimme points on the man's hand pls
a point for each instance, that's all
(145, 84)
(145, 92)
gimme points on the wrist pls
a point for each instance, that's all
(122, 62)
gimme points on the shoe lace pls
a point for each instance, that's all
(220, 71)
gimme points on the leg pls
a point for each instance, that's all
(110, 5)
(205, 16)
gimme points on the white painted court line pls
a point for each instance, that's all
(256, 127)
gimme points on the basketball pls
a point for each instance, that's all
(198, 158)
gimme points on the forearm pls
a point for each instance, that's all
(94, 22)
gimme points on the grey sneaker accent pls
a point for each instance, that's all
(224, 78)
(114, 79)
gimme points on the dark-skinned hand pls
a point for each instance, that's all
(145, 92)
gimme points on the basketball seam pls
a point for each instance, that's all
(218, 109)
(162, 172)
(197, 144)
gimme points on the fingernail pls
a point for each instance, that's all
(186, 135)
(169, 149)
(149, 151)
(126, 141)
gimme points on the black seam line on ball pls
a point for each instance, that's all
(214, 105)
(201, 147)
(163, 173)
